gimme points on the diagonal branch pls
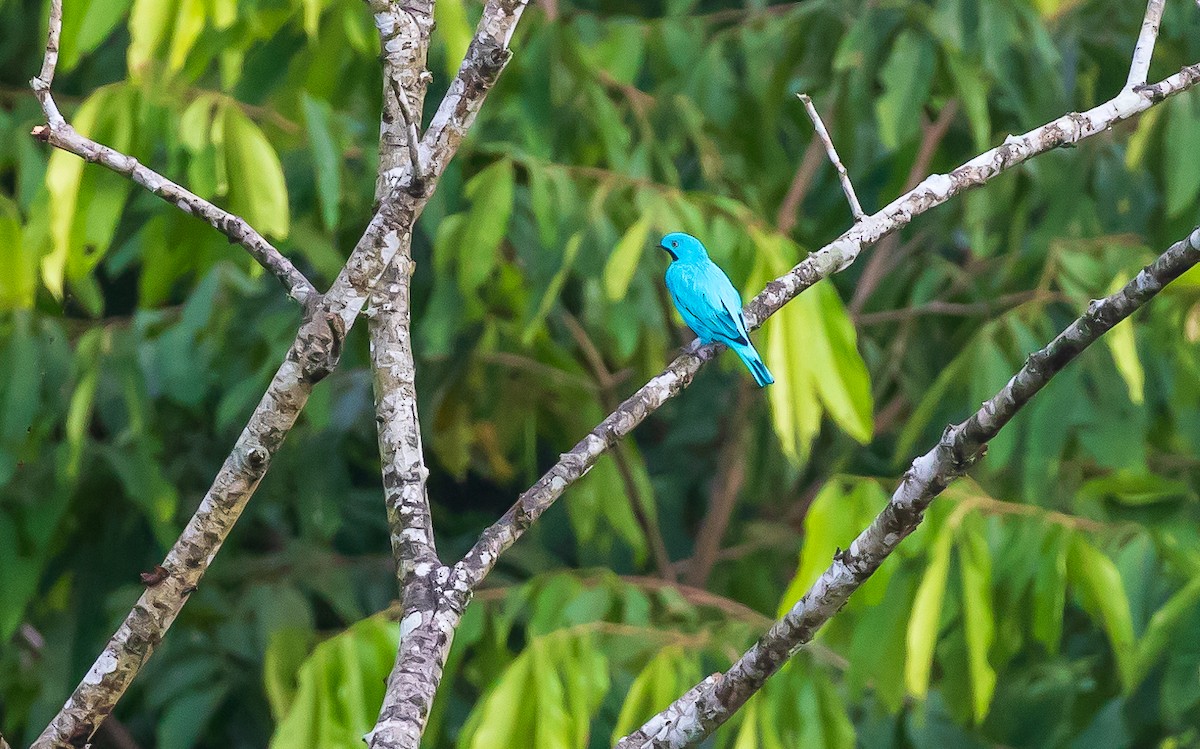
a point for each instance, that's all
(59, 133)
(834, 257)
(702, 710)
(843, 176)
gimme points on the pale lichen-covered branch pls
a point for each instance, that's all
(694, 716)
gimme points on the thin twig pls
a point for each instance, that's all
(843, 176)
(712, 702)
(1143, 51)
(59, 133)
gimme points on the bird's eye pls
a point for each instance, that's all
(674, 244)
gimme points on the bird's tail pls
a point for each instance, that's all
(754, 363)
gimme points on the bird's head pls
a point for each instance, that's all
(682, 246)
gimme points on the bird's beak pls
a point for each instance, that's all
(664, 249)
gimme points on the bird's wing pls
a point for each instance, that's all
(716, 304)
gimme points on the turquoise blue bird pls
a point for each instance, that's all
(709, 304)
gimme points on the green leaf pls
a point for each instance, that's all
(838, 369)
(925, 622)
(501, 720)
(972, 90)
(326, 159)
(907, 78)
(668, 674)
(1163, 628)
(550, 296)
(18, 282)
(1139, 142)
(979, 616)
(257, 191)
(1121, 344)
(491, 194)
(149, 24)
(623, 261)
(339, 688)
(1050, 588)
(1134, 489)
(285, 653)
(87, 201)
(1101, 591)
(85, 24)
(1182, 155)
(833, 521)
(189, 22)
(185, 719)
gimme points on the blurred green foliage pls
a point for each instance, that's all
(1051, 601)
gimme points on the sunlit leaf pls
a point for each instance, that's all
(1122, 346)
(925, 623)
(189, 22)
(257, 191)
(454, 30)
(149, 23)
(979, 615)
(907, 76)
(326, 159)
(623, 261)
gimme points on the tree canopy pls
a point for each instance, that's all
(1050, 599)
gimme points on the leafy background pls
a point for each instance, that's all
(1052, 600)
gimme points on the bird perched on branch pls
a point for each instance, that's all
(709, 304)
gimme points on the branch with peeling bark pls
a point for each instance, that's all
(711, 703)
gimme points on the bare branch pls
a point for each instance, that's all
(59, 133)
(843, 176)
(704, 708)
(1143, 51)
(834, 257)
